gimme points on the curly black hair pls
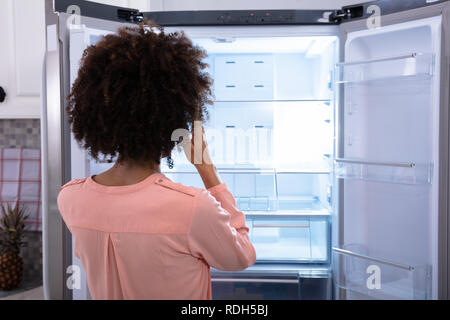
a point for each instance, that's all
(134, 88)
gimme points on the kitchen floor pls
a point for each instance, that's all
(28, 290)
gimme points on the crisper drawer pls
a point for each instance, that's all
(256, 289)
(267, 285)
(290, 239)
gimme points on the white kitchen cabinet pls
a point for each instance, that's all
(22, 37)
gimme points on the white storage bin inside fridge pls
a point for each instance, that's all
(244, 77)
(290, 239)
(271, 68)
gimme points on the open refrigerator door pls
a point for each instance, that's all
(387, 163)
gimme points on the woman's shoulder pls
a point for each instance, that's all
(74, 182)
(70, 190)
(166, 183)
(204, 194)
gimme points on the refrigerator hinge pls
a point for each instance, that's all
(130, 15)
(339, 15)
(346, 13)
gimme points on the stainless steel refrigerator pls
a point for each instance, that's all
(330, 127)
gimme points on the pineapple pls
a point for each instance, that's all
(12, 225)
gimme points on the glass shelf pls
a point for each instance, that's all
(257, 103)
(267, 190)
(243, 170)
(288, 203)
(290, 213)
(396, 280)
(412, 66)
(403, 173)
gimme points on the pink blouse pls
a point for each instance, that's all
(155, 239)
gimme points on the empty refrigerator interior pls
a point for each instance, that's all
(270, 134)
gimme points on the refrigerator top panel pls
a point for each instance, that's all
(196, 18)
(283, 17)
(241, 17)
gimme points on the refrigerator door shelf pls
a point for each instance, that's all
(413, 66)
(367, 277)
(402, 173)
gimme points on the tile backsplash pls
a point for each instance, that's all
(20, 133)
(25, 133)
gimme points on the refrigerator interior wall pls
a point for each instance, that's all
(390, 158)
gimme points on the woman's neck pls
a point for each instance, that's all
(127, 173)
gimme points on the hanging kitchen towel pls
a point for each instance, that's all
(20, 183)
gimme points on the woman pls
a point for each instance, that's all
(138, 234)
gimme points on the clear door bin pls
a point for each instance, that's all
(411, 65)
(290, 239)
(368, 277)
(403, 173)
